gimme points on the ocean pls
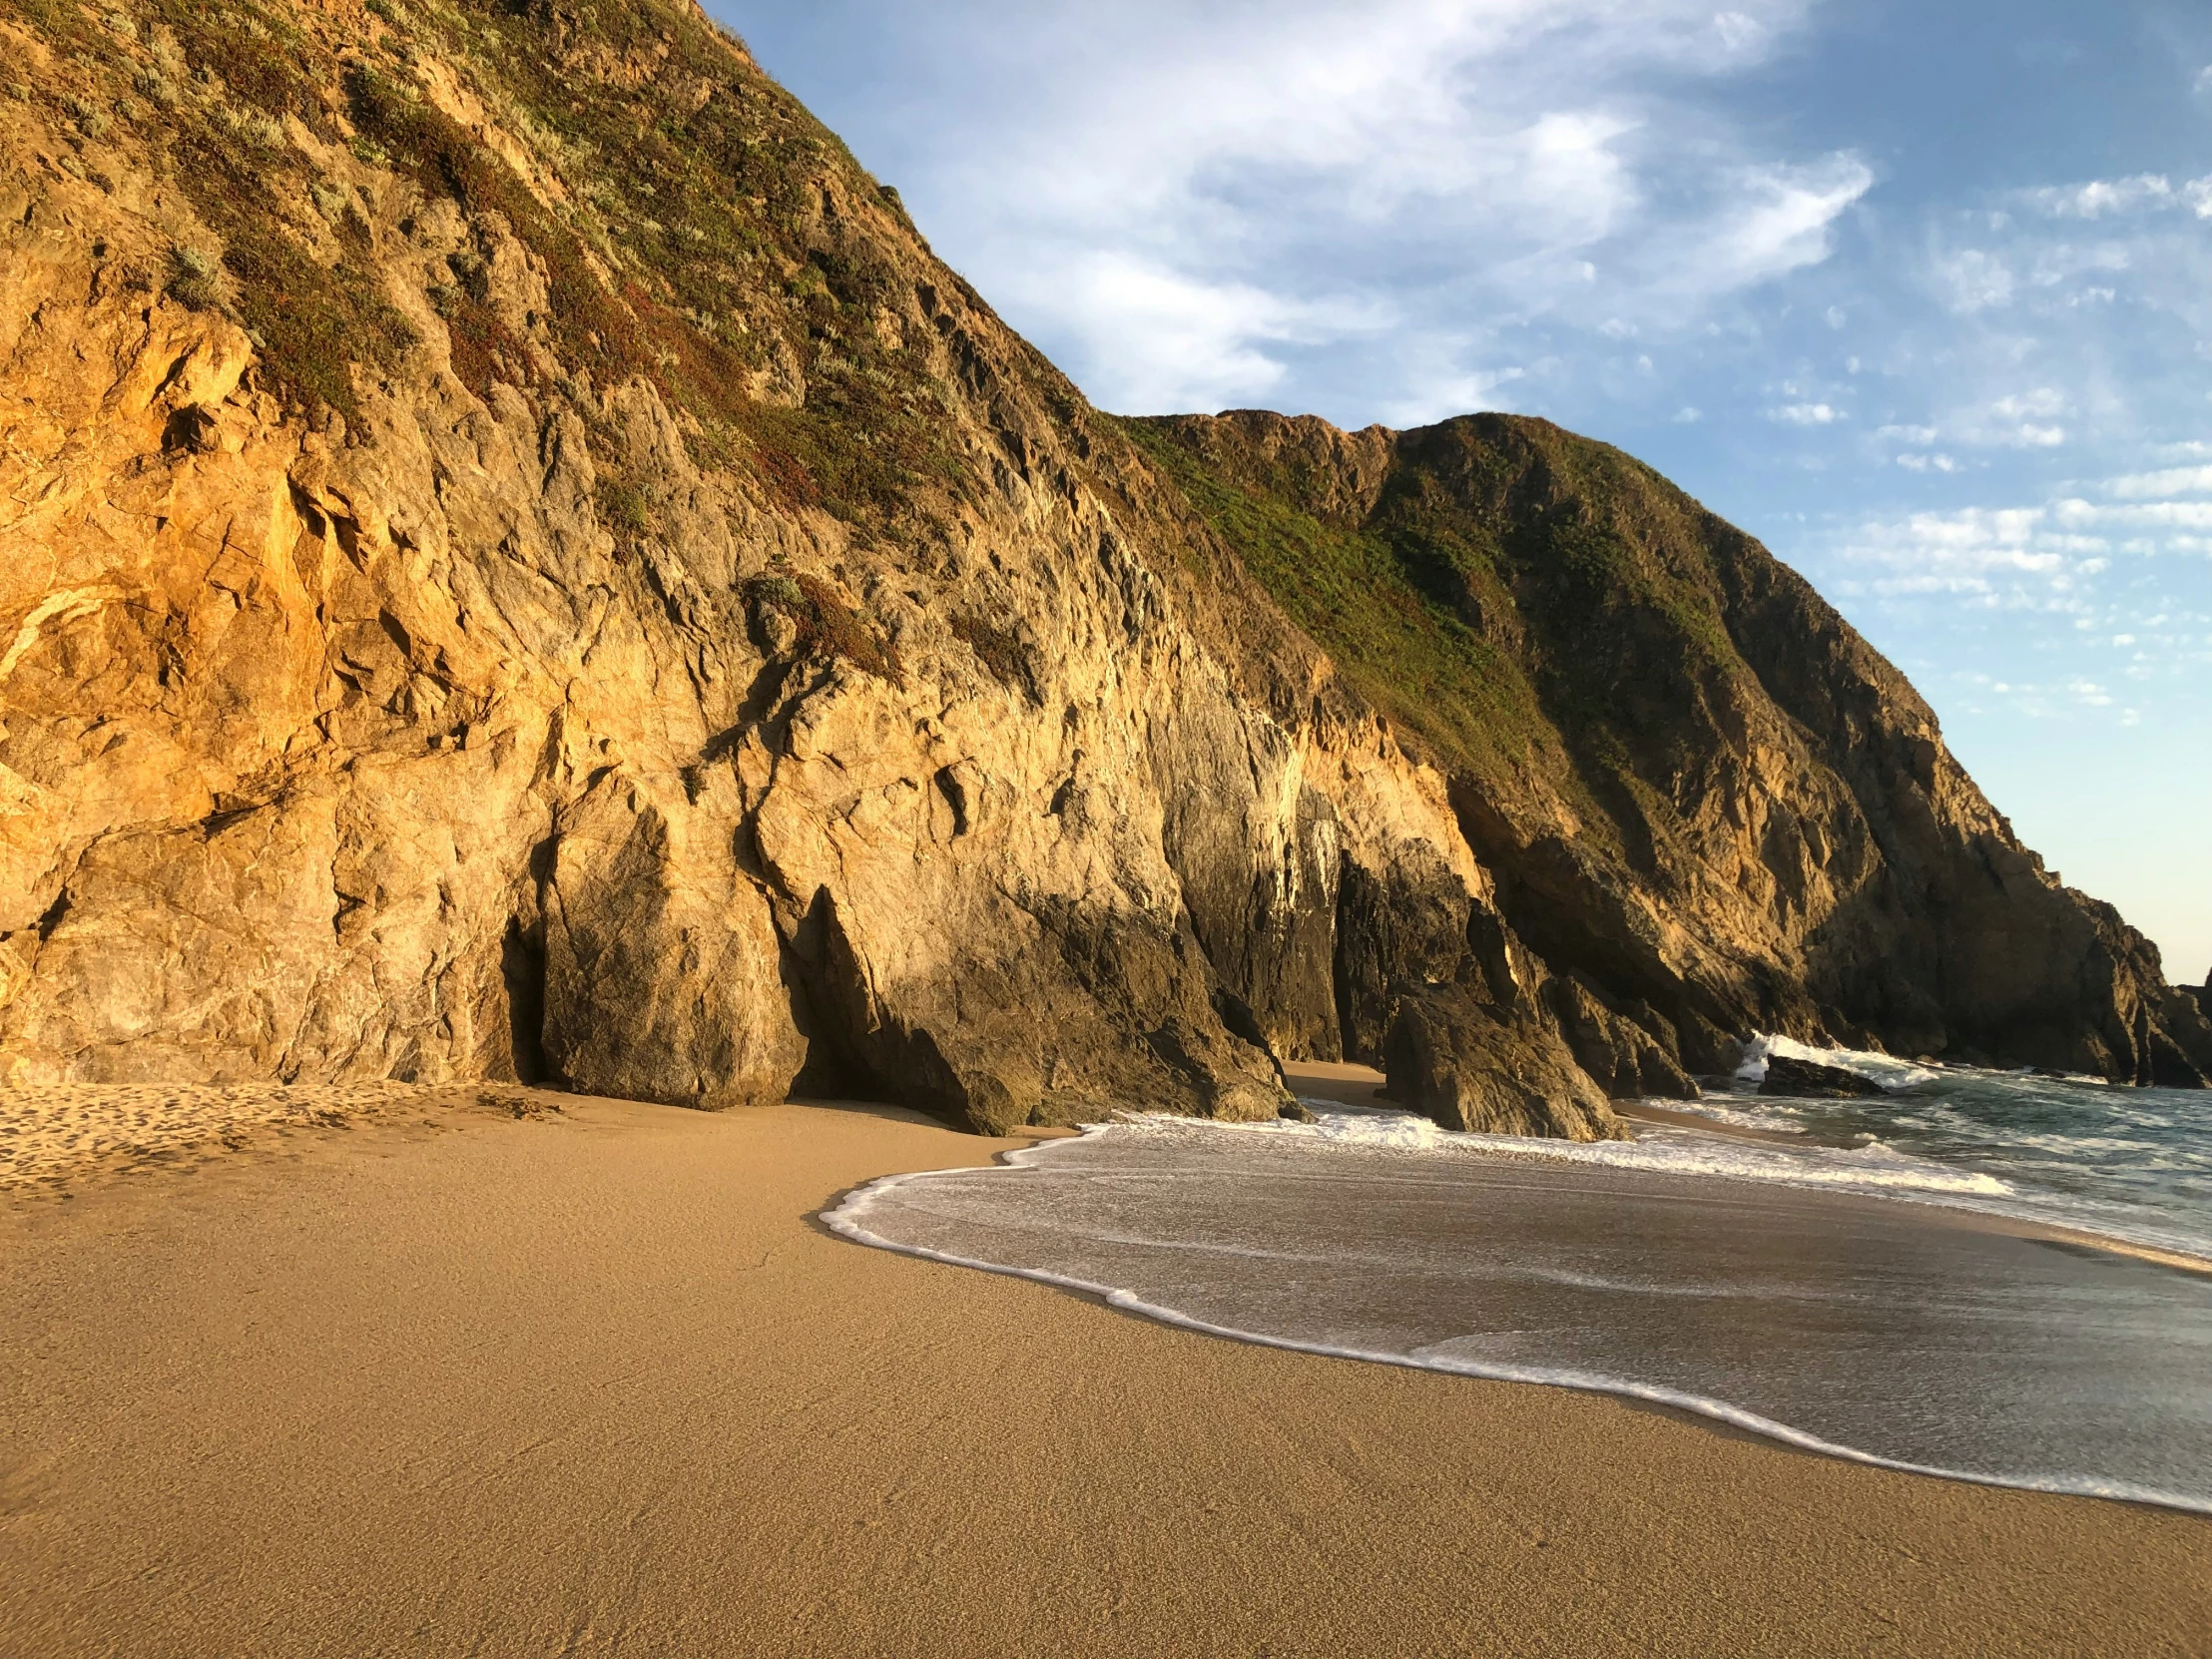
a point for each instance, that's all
(1901, 1281)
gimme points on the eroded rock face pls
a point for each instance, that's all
(1700, 797)
(1458, 1061)
(486, 594)
(1625, 1052)
(496, 706)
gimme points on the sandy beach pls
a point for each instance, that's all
(432, 1378)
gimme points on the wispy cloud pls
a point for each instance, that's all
(2118, 197)
(1206, 340)
(1202, 198)
(2180, 480)
(2100, 579)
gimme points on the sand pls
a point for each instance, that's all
(54, 1137)
(596, 1382)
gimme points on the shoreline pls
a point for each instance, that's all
(846, 1219)
(1644, 1111)
(1358, 1088)
(1996, 1219)
(596, 1382)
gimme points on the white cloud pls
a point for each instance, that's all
(1972, 551)
(2017, 420)
(1775, 218)
(1975, 280)
(1442, 389)
(1739, 33)
(2182, 480)
(2155, 515)
(2064, 334)
(1472, 168)
(2077, 561)
(1805, 415)
(2118, 197)
(1207, 341)
(2100, 197)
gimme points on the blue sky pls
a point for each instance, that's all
(1919, 293)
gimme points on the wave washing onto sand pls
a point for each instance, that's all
(1875, 1169)
(1777, 1299)
(2069, 1151)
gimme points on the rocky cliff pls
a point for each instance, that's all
(515, 560)
(1705, 799)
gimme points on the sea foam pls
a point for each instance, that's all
(1748, 1281)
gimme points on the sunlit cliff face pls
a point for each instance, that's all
(530, 567)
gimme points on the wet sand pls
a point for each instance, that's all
(597, 1383)
(1645, 1111)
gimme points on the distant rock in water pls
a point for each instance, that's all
(1809, 1080)
(528, 567)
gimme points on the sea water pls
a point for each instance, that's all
(1877, 1278)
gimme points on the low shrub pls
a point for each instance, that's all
(828, 626)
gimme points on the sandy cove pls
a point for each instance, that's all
(596, 1382)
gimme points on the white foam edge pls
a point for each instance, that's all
(1798, 1167)
(1885, 1070)
(845, 1221)
(1881, 1171)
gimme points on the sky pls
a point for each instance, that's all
(1918, 292)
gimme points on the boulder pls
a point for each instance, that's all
(1473, 1069)
(1621, 1056)
(1809, 1080)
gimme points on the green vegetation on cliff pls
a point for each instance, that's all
(684, 212)
(1379, 596)
(1491, 588)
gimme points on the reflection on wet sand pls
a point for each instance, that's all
(1909, 1333)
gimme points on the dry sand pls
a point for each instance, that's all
(596, 1382)
(55, 1137)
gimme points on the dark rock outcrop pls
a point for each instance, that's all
(1464, 1064)
(1625, 1054)
(1809, 1080)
